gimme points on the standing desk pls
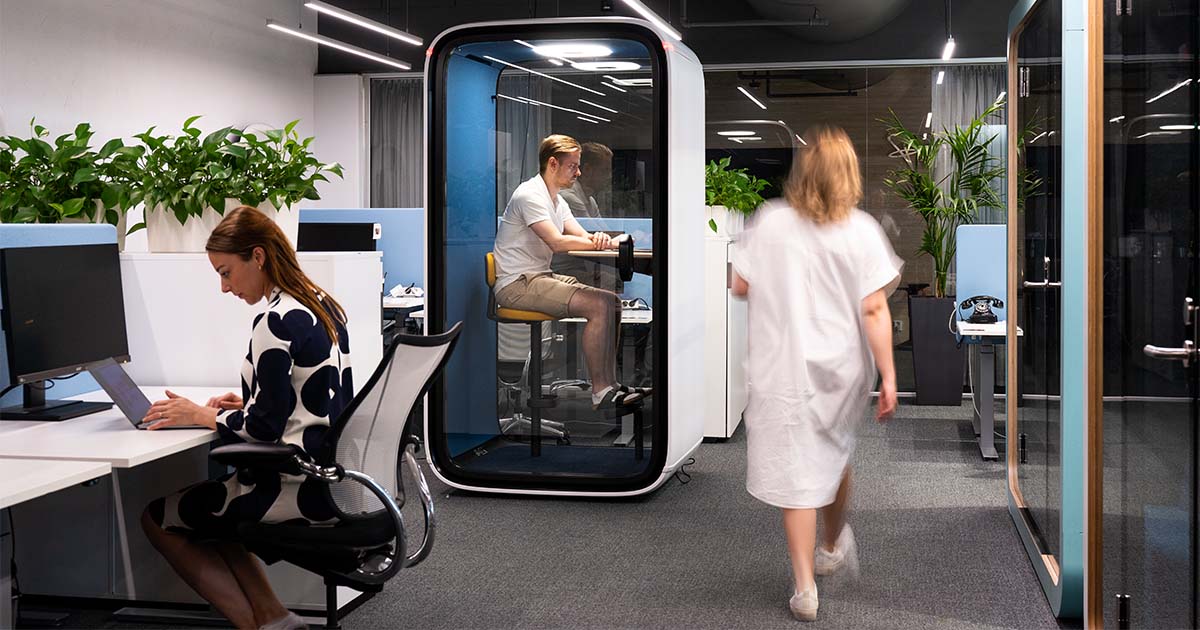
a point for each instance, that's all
(983, 380)
(20, 481)
(101, 551)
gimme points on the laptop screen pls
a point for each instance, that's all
(123, 391)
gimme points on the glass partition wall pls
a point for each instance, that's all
(494, 97)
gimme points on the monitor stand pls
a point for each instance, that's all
(37, 408)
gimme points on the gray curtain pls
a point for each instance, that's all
(397, 129)
(964, 93)
(520, 127)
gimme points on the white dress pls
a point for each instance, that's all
(808, 366)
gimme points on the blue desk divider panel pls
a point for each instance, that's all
(981, 265)
(402, 238)
(50, 235)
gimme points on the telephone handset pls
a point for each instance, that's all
(981, 308)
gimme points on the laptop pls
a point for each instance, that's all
(124, 392)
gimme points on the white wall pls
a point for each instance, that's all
(340, 119)
(124, 65)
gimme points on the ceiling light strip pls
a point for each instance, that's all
(607, 84)
(1169, 90)
(607, 109)
(359, 20)
(751, 97)
(584, 119)
(540, 74)
(653, 18)
(333, 43)
(565, 109)
(928, 120)
(941, 76)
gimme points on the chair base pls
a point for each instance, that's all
(520, 426)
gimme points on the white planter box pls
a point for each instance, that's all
(729, 224)
(724, 342)
(164, 234)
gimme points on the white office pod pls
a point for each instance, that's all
(515, 410)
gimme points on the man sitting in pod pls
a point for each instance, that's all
(538, 223)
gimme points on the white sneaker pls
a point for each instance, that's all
(844, 555)
(804, 605)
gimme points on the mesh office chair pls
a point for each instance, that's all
(369, 544)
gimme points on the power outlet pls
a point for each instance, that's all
(897, 325)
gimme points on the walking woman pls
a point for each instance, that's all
(296, 378)
(816, 273)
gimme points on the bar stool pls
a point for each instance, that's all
(537, 399)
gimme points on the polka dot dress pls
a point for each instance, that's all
(294, 383)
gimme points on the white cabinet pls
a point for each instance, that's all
(725, 343)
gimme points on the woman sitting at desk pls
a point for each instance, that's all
(295, 380)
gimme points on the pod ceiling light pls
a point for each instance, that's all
(569, 50)
(606, 66)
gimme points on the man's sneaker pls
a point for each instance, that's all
(844, 554)
(804, 605)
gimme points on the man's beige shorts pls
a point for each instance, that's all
(545, 293)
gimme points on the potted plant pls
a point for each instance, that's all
(190, 181)
(944, 201)
(731, 195)
(66, 181)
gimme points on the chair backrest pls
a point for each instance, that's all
(490, 261)
(371, 432)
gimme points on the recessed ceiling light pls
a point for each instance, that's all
(605, 66)
(631, 82)
(569, 49)
(735, 133)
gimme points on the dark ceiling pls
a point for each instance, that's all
(784, 31)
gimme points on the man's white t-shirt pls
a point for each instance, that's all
(519, 250)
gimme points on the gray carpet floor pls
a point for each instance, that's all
(937, 546)
(938, 550)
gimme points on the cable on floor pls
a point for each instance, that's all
(683, 476)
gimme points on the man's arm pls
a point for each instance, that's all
(560, 242)
(600, 240)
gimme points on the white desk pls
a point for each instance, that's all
(983, 385)
(101, 552)
(25, 479)
(107, 436)
(20, 481)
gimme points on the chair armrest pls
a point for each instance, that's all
(283, 458)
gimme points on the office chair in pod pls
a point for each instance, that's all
(359, 465)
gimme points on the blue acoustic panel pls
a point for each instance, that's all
(50, 235)
(981, 265)
(402, 238)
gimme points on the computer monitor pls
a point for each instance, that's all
(61, 308)
(337, 237)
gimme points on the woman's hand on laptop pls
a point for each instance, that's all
(177, 411)
(228, 402)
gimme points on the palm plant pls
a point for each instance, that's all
(954, 198)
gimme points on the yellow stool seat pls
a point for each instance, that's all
(508, 315)
(516, 315)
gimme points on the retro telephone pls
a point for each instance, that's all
(981, 309)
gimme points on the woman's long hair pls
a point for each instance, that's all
(824, 184)
(245, 228)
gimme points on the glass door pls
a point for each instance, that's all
(1150, 278)
(1038, 221)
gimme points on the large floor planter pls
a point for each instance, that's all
(937, 361)
(164, 233)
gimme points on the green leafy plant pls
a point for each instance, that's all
(278, 168)
(45, 183)
(188, 173)
(736, 189)
(954, 198)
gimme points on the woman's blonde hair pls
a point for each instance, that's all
(824, 184)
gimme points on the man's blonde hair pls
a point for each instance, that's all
(555, 146)
(825, 183)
